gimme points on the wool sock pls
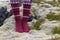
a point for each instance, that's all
(15, 8)
(26, 12)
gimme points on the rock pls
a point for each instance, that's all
(49, 26)
(7, 31)
(46, 5)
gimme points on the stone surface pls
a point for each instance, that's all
(7, 31)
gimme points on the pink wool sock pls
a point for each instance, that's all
(21, 24)
(15, 9)
(25, 24)
(26, 12)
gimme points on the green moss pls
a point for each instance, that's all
(56, 30)
(52, 16)
(37, 24)
(37, 1)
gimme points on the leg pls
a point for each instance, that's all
(15, 9)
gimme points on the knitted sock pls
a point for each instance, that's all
(26, 12)
(15, 9)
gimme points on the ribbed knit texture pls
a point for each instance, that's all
(26, 12)
(15, 8)
(21, 24)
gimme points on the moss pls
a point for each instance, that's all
(52, 16)
(56, 30)
(37, 1)
(37, 24)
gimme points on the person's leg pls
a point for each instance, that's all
(26, 12)
(15, 8)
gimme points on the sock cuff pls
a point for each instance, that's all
(14, 1)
